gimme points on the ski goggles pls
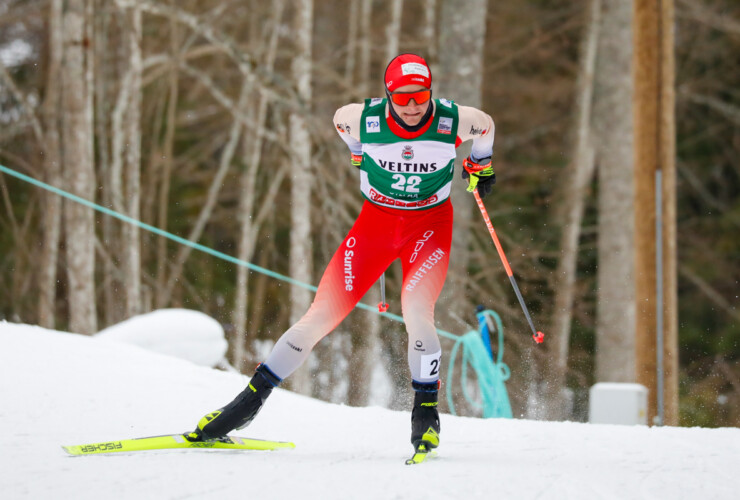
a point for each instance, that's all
(403, 98)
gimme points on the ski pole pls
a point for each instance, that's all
(382, 307)
(538, 337)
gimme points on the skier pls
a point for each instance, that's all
(404, 145)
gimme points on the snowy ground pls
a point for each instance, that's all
(58, 388)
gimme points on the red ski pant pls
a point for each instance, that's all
(421, 239)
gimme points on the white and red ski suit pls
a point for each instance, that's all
(407, 215)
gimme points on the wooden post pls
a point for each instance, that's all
(655, 150)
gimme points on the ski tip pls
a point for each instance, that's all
(420, 454)
(420, 457)
(284, 444)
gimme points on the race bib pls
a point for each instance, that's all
(430, 365)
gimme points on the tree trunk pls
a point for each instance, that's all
(52, 210)
(79, 170)
(301, 249)
(574, 186)
(132, 171)
(429, 29)
(363, 64)
(163, 194)
(352, 39)
(113, 309)
(459, 78)
(393, 29)
(615, 328)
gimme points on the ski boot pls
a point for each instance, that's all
(424, 416)
(240, 412)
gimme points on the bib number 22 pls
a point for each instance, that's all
(407, 184)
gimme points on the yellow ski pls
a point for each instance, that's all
(174, 442)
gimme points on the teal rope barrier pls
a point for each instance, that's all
(491, 376)
(183, 241)
(472, 349)
(153, 229)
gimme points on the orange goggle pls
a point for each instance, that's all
(403, 98)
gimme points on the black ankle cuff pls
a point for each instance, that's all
(425, 387)
(268, 375)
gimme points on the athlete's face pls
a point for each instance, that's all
(412, 112)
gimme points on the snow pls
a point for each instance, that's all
(63, 389)
(182, 333)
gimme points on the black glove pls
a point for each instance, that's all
(480, 175)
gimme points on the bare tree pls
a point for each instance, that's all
(364, 59)
(393, 29)
(429, 29)
(165, 170)
(79, 172)
(107, 60)
(127, 154)
(301, 249)
(613, 137)
(52, 211)
(460, 78)
(352, 42)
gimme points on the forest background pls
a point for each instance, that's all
(212, 120)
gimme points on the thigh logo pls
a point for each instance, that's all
(349, 277)
(424, 268)
(419, 245)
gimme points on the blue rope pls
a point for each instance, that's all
(491, 375)
(474, 350)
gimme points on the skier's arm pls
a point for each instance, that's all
(347, 122)
(476, 125)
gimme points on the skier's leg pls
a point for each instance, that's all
(425, 260)
(424, 415)
(356, 265)
(241, 411)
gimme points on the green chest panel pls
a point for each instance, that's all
(408, 173)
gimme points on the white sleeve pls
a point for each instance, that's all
(476, 125)
(347, 122)
(353, 144)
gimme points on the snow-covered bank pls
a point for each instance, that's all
(58, 388)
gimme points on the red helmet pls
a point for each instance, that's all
(407, 69)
